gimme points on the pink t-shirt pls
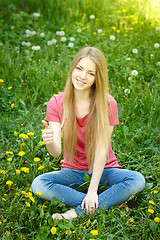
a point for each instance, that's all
(54, 114)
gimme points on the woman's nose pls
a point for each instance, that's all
(83, 74)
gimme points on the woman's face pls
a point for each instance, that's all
(83, 76)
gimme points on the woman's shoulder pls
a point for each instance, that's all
(111, 99)
(57, 98)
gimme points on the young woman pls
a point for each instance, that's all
(86, 114)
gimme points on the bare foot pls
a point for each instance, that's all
(70, 214)
(124, 204)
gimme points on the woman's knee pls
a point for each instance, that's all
(139, 181)
(36, 184)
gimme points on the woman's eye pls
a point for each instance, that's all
(91, 74)
(78, 68)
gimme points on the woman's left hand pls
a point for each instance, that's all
(90, 202)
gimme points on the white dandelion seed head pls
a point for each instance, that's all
(28, 44)
(36, 15)
(134, 72)
(54, 41)
(158, 64)
(72, 39)
(156, 45)
(151, 55)
(129, 78)
(157, 29)
(99, 31)
(71, 45)
(27, 32)
(42, 34)
(112, 37)
(91, 16)
(58, 33)
(61, 33)
(79, 30)
(49, 43)
(1, 44)
(63, 39)
(126, 91)
(128, 59)
(134, 50)
(33, 33)
(23, 43)
(26, 51)
(36, 48)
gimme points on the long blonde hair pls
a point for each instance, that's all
(97, 135)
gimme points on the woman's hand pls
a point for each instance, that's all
(47, 133)
(90, 202)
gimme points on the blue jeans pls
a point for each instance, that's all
(62, 184)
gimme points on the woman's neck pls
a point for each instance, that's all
(81, 96)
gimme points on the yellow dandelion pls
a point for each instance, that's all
(15, 134)
(41, 167)
(118, 31)
(30, 134)
(53, 230)
(123, 215)
(8, 233)
(94, 232)
(24, 192)
(4, 199)
(9, 183)
(30, 189)
(0, 221)
(9, 88)
(156, 219)
(23, 144)
(66, 232)
(88, 223)
(150, 210)
(2, 171)
(153, 192)
(103, 34)
(37, 159)
(42, 143)
(94, 33)
(114, 28)
(24, 169)
(29, 194)
(12, 105)
(47, 154)
(55, 169)
(1, 80)
(131, 220)
(28, 204)
(92, 239)
(17, 194)
(23, 136)
(38, 193)
(32, 199)
(18, 171)
(9, 159)
(9, 152)
(151, 202)
(21, 153)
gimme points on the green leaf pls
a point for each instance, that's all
(87, 178)
(152, 225)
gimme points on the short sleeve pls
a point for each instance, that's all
(52, 114)
(112, 111)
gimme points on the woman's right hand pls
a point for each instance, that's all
(47, 133)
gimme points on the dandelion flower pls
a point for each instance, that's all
(30, 134)
(157, 29)
(18, 171)
(9, 88)
(1, 80)
(31, 198)
(61, 33)
(156, 45)
(41, 167)
(28, 204)
(72, 39)
(12, 105)
(0, 222)
(24, 169)
(9, 183)
(151, 55)
(49, 43)
(37, 159)
(151, 202)
(88, 223)
(154, 191)
(150, 210)
(128, 59)
(94, 232)
(91, 16)
(63, 39)
(54, 41)
(158, 64)
(23, 43)
(28, 44)
(2, 171)
(42, 143)
(9, 152)
(53, 230)
(36, 48)
(156, 219)
(4, 199)
(15, 134)
(126, 91)
(24, 136)
(9, 159)
(66, 232)
(38, 193)
(99, 31)
(134, 50)
(36, 15)
(71, 45)
(112, 37)
(131, 220)
(42, 34)
(21, 153)
(134, 72)
(79, 30)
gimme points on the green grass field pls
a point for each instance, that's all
(38, 40)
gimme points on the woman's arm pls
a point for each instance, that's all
(52, 137)
(90, 202)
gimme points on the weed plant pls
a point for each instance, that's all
(38, 40)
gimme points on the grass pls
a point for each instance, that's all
(29, 78)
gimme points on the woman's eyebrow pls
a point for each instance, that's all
(88, 70)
